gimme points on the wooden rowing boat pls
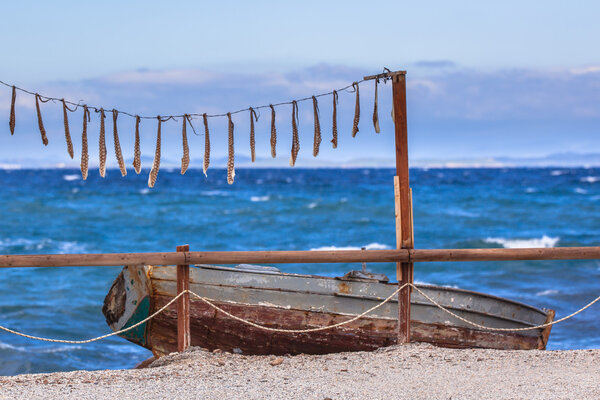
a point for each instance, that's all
(268, 297)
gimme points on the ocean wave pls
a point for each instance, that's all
(370, 246)
(260, 198)
(457, 212)
(580, 190)
(22, 244)
(557, 172)
(144, 191)
(590, 179)
(312, 205)
(214, 193)
(530, 190)
(544, 241)
(71, 177)
(547, 292)
(42, 350)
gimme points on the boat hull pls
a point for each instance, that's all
(290, 301)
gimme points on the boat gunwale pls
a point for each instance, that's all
(395, 284)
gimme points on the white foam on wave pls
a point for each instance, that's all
(457, 212)
(72, 177)
(530, 190)
(57, 349)
(312, 205)
(370, 246)
(557, 172)
(590, 179)
(211, 193)
(547, 292)
(60, 247)
(144, 191)
(580, 190)
(260, 198)
(544, 241)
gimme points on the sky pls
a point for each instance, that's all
(485, 79)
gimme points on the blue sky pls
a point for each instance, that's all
(485, 79)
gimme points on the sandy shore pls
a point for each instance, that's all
(416, 371)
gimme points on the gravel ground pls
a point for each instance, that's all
(415, 371)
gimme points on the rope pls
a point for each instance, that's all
(505, 329)
(148, 318)
(45, 99)
(322, 328)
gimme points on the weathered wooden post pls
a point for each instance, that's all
(402, 197)
(183, 304)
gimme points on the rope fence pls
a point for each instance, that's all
(210, 303)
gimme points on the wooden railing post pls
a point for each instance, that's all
(404, 229)
(183, 303)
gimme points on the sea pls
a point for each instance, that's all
(55, 211)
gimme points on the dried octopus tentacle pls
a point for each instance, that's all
(67, 131)
(273, 133)
(84, 144)
(156, 163)
(206, 145)
(185, 160)
(102, 145)
(40, 121)
(231, 155)
(295, 139)
(11, 122)
(317, 137)
(375, 112)
(118, 152)
(253, 116)
(356, 110)
(334, 129)
(137, 153)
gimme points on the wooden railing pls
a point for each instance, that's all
(292, 257)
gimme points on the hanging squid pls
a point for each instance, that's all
(39, 118)
(67, 131)
(11, 122)
(118, 152)
(295, 139)
(273, 133)
(334, 139)
(356, 110)
(137, 153)
(231, 155)
(206, 145)
(156, 163)
(84, 144)
(375, 112)
(102, 145)
(185, 160)
(317, 137)
(253, 117)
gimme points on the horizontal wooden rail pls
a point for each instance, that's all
(286, 257)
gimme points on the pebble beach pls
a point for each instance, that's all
(415, 371)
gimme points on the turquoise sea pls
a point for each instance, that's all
(54, 211)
